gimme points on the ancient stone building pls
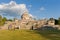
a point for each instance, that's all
(51, 22)
(26, 16)
(26, 22)
(39, 23)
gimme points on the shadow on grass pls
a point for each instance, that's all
(49, 34)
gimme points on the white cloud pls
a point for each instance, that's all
(30, 6)
(32, 16)
(42, 8)
(12, 8)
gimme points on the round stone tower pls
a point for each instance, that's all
(26, 16)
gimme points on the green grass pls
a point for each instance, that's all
(19, 35)
(29, 35)
(50, 34)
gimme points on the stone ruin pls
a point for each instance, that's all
(27, 22)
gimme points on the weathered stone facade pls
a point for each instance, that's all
(51, 22)
(26, 22)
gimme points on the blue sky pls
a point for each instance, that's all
(40, 8)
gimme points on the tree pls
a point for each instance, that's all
(56, 22)
(4, 19)
(10, 20)
(59, 20)
(0, 18)
(51, 19)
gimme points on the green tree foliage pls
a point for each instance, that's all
(59, 20)
(2, 20)
(10, 20)
(51, 19)
(56, 22)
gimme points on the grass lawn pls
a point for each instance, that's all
(50, 34)
(29, 35)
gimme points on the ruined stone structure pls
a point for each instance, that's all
(26, 22)
(26, 16)
(51, 22)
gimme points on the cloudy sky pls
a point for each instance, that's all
(36, 8)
